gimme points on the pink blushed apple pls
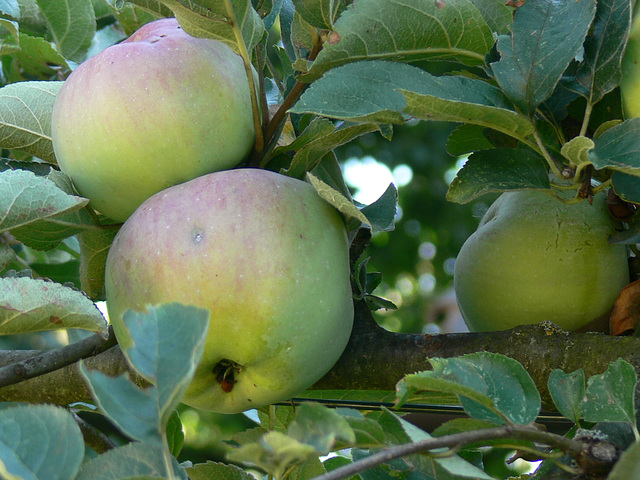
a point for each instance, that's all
(266, 256)
(158, 109)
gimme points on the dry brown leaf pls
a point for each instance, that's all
(625, 317)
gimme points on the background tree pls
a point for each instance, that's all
(520, 90)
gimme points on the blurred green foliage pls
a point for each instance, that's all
(416, 259)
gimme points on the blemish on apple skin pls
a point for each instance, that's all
(197, 235)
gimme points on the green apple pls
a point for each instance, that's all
(630, 84)
(534, 258)
(158, 109)
(266, 256)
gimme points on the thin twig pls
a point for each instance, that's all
(55, 359)
(525, 432)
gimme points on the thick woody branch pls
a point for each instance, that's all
(376, 359)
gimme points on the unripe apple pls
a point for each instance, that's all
(158, 109)
(266, 256)
(534, 258)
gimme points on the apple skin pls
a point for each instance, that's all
(630, 84)
(534, 258)
(158, 109)
(266, 256)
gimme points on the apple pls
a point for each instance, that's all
(158, 109)
(266, 256)
(534, 258)
(630, 83)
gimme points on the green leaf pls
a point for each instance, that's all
(94, 248)
(567, 391)
(405, 30)
(320, 13)
(9, 37)
(275, 453)
(210, 19)
(284, 415)
(618, 148)
(175, 434)
(576, 151)
(329, 171)
(10, 8)
(626, 186)
(467, 138)
(628, 466)
(386, 92)
(600, 72)
(7, 255)
(382, 213)
(490, 386)
(134, 460)
(29, 305)
(320, 427)
(218, 471)
(497, 15)
(401, 431)
(72, 24)
(610, 396)
(339, 201)
(25, 117)
(39, 442)
(312, 153)
(368, 432)
(37, 58)
(546, 37)
(166, 346)
(498, 170)
(47, 233)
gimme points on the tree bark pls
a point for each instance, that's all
(376, 359)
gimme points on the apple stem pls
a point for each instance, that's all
(274, 125)
(244, 53)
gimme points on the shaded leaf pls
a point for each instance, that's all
(381, 214)
(218, 471)
(39, 442)
(274, 453)
(320, 13)
(94, 247)
(320, 427)
(467, 138)
(546, 37)
(165, 347)
(600, 72)
(567, 392)
(30, 305)
(498, 170)
(627, 187)
(618, 148)
(405, 30)
(628, 466)
(72, 24)
(134, 460)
